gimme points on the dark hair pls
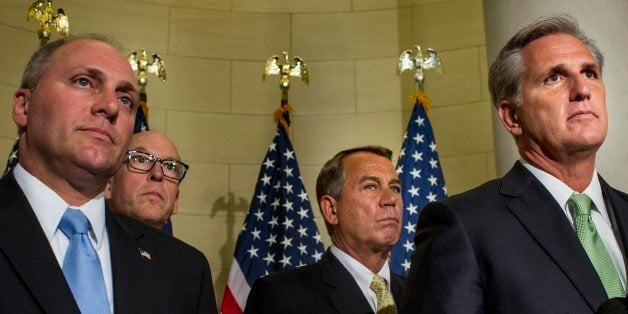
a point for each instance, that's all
(42, 58)
(506, 72)
(331, 178)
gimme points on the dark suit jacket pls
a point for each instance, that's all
(505, 246)
(323, 287)
(172, 278)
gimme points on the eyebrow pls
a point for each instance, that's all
(377, 179)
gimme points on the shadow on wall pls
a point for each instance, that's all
(228, 205)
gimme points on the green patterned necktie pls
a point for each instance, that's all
(593, 245)
(385, 302)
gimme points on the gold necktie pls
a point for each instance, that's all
(385, 302)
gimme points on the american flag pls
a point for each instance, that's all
(279, 231)
(422, 180)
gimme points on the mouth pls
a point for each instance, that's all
(154, 194)
(389, 220)
(99, 133)
(582, 114)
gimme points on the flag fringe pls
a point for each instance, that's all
(421, 97)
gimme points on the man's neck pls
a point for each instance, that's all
(75, 193)
(575, 172)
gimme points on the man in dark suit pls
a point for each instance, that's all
(359, 196)
(548, 237)
(75, 111)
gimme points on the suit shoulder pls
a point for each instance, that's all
(157, 238)
(291, 277)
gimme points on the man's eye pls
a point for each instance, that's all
(82, 82)
(140, 159)
(396, 189)
(170, 165)
(590, 74)
(553, 78)
(126, 101)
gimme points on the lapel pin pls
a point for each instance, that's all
(144, 254)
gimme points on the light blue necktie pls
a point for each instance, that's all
(81, 265)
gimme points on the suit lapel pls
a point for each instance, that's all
(132, 267)
(26, 247)
(397, 283)
(618, 203)
(346, 296)
(544, 219)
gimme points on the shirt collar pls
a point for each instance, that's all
(362, 275)
(49, 207)
(561, 192)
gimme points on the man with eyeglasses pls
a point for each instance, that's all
(146, 187)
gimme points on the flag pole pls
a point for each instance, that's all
(418, 165)
(279, 231)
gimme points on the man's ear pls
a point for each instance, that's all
(507, 113)
(329, 209)
(21, 100)
(108, 189)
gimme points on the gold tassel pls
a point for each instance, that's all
(423, 98)
(279, 119)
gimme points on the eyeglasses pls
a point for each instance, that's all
(144, 162)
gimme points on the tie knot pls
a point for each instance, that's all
(581, 204)
(73, 222)
(378, 284)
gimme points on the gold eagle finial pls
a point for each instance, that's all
(42, 11)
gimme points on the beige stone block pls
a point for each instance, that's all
(242, 182)
(219, 138)
(13, 14)
(252, 95)
(228, 35)
(331, 89)
(460, 82)
(465, 172)
(157, 120)
(462, 129)
(193, 84)
(359, 5)
(318, 138)
(6, 145)
(18, 46)
(449, 25)
(378, 87)
(222, 5)
(484, 66)
(135, 25)
(289, 6)
(352, 35)
(490, 165)
(203, 190)
(7, 126)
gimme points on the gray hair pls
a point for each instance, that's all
(332, 176)
(506, 72)
(42, 58)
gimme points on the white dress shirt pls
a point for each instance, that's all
(362, 275)
(50, 207)
(599, 213)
